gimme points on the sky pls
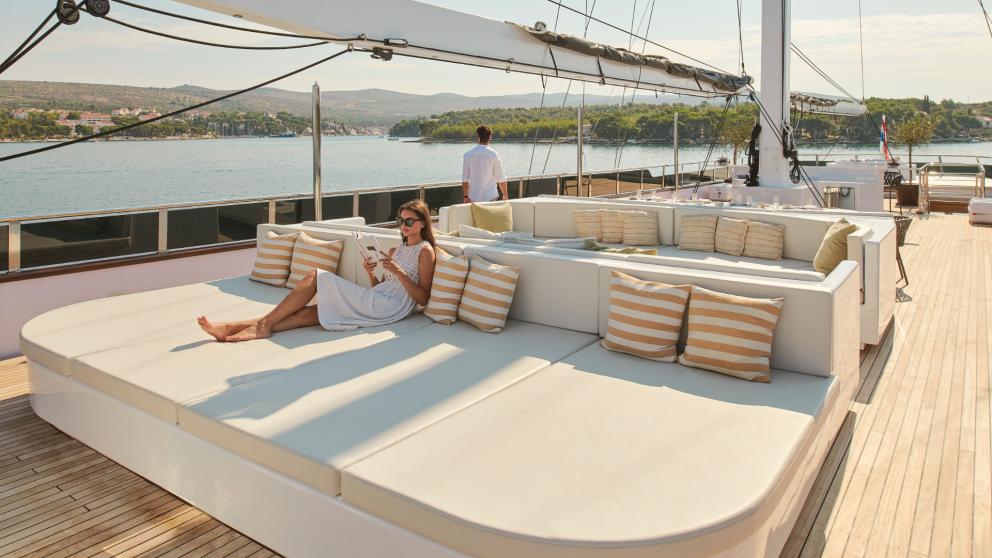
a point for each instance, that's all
(911, 47)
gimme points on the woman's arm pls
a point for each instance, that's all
(419, 292)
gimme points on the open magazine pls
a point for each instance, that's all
(369, 246)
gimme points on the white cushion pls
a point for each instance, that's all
(602, 454)
(800, 270)
(317, 416)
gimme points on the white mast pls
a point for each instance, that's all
(776, 36)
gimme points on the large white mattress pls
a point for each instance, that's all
(604, 454)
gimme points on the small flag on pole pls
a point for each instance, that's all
(883, 140)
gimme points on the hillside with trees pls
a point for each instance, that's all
(699, 124)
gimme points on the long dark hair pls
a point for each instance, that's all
(424, 213)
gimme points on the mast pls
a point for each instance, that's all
(776, 36)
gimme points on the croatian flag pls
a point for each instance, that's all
(883, 140)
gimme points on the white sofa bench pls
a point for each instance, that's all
(317, 442)
(872, 246)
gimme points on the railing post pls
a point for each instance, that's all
(272, 212)
(14, 246)
(163, 230)
(423, 193)
(558, 185)
(520, 188)
(618, 183)
(354, 204)
(317, 205)
(664, 182)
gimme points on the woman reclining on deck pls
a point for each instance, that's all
(342, 304)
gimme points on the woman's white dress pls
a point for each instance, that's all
(343, 305)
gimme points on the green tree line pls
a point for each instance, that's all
(698, 123)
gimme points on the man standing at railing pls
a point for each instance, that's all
(482, 171)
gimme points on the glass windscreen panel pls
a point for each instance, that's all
(442, 196)
(289, 212)
(88, 238)
(204, 226)
(4, 247)
(540, 186)
(381, 207)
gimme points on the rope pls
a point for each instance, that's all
(216, 24)
(645, 39)
(985, 13)
(716, 138)
(175, 112)
(554, 135)
(540, 111)
(17, 50)
(207, 43)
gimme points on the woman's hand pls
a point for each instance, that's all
(369, 266)
(391, 266)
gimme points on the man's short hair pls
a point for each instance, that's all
(485, 133)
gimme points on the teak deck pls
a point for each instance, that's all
(910, 473)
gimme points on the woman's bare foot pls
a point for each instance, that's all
(218, 331)
(257, 331)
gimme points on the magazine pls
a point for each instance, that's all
(369, 246)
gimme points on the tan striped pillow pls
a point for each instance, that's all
(588, 224)
(731, 334)
(764, 240)
(730, 234)
(488, 294)
(645, 317)
(273, 258)
(698, 232)
(446, 290)
(311, 253)
(640, 228)
(612, 225)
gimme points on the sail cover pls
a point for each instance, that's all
(819, 103)
(418, 30)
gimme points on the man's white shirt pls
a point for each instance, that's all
(482, 168)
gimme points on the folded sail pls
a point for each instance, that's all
(414, 29)
(819, 103)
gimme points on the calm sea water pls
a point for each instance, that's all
(111, 175)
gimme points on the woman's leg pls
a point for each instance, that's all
(294, 302)
(221, 330)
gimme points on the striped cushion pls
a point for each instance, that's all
(640, 228)
(488, 294)
(731, 334)
(698, 232)
(612, 224)
(273, 258)
(311, 253)
(446, 290)
(645, 317)
(588, 223)
(730, 234)
(764, 240)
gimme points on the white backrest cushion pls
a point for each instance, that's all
(552, 289)
(452, 216)
(803, 235)
(810, 327)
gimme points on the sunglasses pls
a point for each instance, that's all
(409, 221)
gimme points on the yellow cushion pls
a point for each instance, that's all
(446, 290)
(698, 232)
(612, 223)
(833, 249)
(731, 334)
(730, 234)
(310, 253)
(496, 217)
(488, 294)
(273, 258)
(645, 317)
(588, 224)
(764, 240)
(640, 228)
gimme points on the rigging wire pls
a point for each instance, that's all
(740, 36)
(28, 40)
(988, 19)
(809, 61)
(175, 112)
(208, 43)
(712, 146)
(861, 47)
(217, 24)
(554, 135)
(645, 39)
(22, 50)
(540, 112)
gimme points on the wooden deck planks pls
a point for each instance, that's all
(909, 475)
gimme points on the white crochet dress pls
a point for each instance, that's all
(343, 305)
